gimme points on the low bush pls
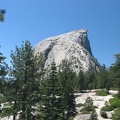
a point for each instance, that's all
(2, 99)
(108, 108)
(114, 105)
(101, 92)
(88, 106)
(114, 88)
(85, 111)
(115, 102)
(93, 115)
(103, 114)
(79, 105)
(116, 115)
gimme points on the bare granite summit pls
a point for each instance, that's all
(72, 46)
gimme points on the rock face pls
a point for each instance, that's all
(73, 46)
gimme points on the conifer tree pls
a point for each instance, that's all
(66, 78)
(91, 81)
(81, 81)
(116, 69)
(50, 109)
(2, 13)
(107, 88)
(3, 72)
(102, 77)
(24, 92)
(88, 105)
(93, 115)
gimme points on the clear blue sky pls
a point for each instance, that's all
(35, 20)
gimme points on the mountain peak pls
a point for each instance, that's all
(72, 46)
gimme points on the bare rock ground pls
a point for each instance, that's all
(98, 101)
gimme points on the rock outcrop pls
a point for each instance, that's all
(73, 46)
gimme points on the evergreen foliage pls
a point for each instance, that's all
(88, 106)
(66, 78)
(103, 114)
(107, 87)
(93, 115)
(23, 92)
(101, 92)
(81, 81)
(116, 115)
(54, 91)
(50, 108)
(3, 72)
(2, 13)
(90, 78)
(116, 68)
(102, 77)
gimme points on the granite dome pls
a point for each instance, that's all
(72, 46)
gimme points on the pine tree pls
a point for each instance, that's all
(93, 115)
(66, 78)
(102, 77)
(116, 69)
(81, 81)
(88, 105)
(91, 82)
(24, 92)
(108, 87)
(50, 108)
(2, 13)
(3, 72)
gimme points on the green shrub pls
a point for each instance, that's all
(115, 102)
(114, 88)
(85, 111)
(103, 114)
(93, 115)
(116, 115)
(79, 105)
(115, 95)
(101, 92)
(88, 106)
(94, 107)
(108, 108)
(2, 99)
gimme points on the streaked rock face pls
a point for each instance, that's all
(73, 46)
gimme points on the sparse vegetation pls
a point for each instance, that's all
(101, 92)
(79, 105)
(103, 114)
(115, 102)
(107, 108)
(116, 115)
(93, 115)
(88, 106)
(114, 105)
